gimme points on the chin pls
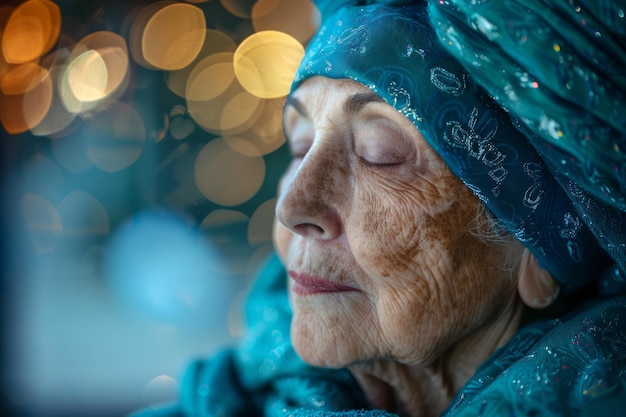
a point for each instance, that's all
(320, 340)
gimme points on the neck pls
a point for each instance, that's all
(410, 390)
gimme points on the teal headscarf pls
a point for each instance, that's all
(392, 48)
(559, 68)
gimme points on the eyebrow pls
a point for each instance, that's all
(296, 104)
(355, 103)
(352, 105)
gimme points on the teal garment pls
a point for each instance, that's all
(572, 366)
(558, 67)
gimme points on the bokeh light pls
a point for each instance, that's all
(43, 222)
(141, 142)
(226, 177)
(214, 42)
(22, 78)
(266, 62)
(217, 101)
(160, 388)
(97, 73)
(88, 76)
(210, 78)
(298, 18)
(264, 136)
(155, 264)
(22, 112)
(31, 31)
(102, 68)
(58, 118)
(169, 35)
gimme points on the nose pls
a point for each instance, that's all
(309, 204)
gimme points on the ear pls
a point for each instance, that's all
(535, 285)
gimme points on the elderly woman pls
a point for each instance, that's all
(451, 230)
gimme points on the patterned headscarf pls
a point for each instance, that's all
(392, 48)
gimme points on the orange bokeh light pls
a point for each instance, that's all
(22, 78)
(21, 112)
(32, 29)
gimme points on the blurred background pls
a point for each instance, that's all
(141, 147)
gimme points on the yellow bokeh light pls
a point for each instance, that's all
(270, 126)
(211, 77)
(266, 62)
(242, 146)
(214, 42)
(225, 176)
(32, 29)
(216, 100)
(115, 137)
(298, 18)
(88, 76)
(265, 135)
(98, 72)
(113, 51)
(173, 36)
(43, 222)
(241, 108)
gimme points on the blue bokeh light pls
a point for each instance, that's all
(156, 264)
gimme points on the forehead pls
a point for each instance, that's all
(320, 95)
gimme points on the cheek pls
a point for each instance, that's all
(402, 227)
(432, 279)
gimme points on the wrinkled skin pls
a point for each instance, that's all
(416, 300)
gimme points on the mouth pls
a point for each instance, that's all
(305, 284)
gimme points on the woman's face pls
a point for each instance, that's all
(378, 236)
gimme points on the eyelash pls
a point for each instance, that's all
(377, 165)
(300, 155)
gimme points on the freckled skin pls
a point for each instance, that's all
(398, 234)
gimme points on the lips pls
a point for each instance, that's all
(305, 284)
